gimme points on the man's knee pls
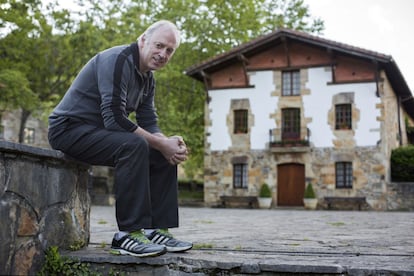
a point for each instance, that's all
(134, 144)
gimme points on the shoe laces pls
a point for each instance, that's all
(139, 236)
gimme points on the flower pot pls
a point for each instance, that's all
(265, 202)
(310, 203)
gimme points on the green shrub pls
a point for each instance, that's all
(265, 191)
(55, 264)
(402, 164)
(309, 192)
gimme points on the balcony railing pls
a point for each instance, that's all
(288, 144)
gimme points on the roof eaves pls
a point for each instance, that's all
(231, 54)
(296, 35)
(386, 61)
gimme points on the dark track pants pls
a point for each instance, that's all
(145, 183)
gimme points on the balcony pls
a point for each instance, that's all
(288, 145)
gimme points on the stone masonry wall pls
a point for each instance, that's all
(401, 196)
(368, 170)
(218, 178)
(369, 176)
(44, 202)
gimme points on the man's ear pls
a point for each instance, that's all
(142, 40)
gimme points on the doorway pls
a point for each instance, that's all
(290, 184)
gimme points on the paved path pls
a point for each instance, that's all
(342, 241)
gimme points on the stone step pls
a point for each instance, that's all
(235, 262)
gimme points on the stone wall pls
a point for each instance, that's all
(218, 175)
(44, 202)
(10, 120)
(401, 196)
(370, 176)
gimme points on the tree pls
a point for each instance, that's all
(15, 91)
(48, 45)
(209, 28)
(45, 47)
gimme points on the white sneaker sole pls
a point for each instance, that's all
(178, 249)
(120, 251)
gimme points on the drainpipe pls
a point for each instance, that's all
(270, 136)
(399, 120)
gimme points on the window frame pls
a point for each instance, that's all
(343, 116)
(29, 135)
(343, 175)
(241, 121)
(291, 124)
(240, 176)
(291, 83)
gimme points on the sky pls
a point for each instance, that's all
(384, 26)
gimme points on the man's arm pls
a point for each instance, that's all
(173, 148)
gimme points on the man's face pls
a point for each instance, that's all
(157, 49)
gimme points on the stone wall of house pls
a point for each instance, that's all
(218, 175)
(369, 175)
(10, 122)
(44, 202)
(400, 196)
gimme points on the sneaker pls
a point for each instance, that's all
(136, 244)
(163, 237)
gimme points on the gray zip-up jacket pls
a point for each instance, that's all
(107, 89)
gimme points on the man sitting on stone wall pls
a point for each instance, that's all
(91, 124)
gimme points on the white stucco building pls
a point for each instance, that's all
(289, 108)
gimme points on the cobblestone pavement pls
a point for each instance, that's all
(358, 241)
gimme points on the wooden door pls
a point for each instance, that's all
(290, 184)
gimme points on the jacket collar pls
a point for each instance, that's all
(135, 54)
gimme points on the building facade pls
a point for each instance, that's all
(289, 108)
(34, 132)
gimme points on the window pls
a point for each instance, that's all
(240, 121)
(240, 175)
(290, 83)
(343, 116)
(343, 171)
(291, 124)
(29, 135)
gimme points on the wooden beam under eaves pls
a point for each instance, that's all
(205, 75)
(243, 59)
(206, 79)
(245, 62)
(286, 48)
(332, 57)
(377, 77)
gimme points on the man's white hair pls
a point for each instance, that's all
(160, 24)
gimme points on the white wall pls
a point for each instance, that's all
(261, 103)
(316, 106)
(318, 103)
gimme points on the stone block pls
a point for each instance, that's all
(44, 202)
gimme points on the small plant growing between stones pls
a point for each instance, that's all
(55, 264)
(113, 272)
(238, 248)
(77, 245)
(339, 223)
(203, 246)
(204, 221)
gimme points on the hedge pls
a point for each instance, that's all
(402, 164)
